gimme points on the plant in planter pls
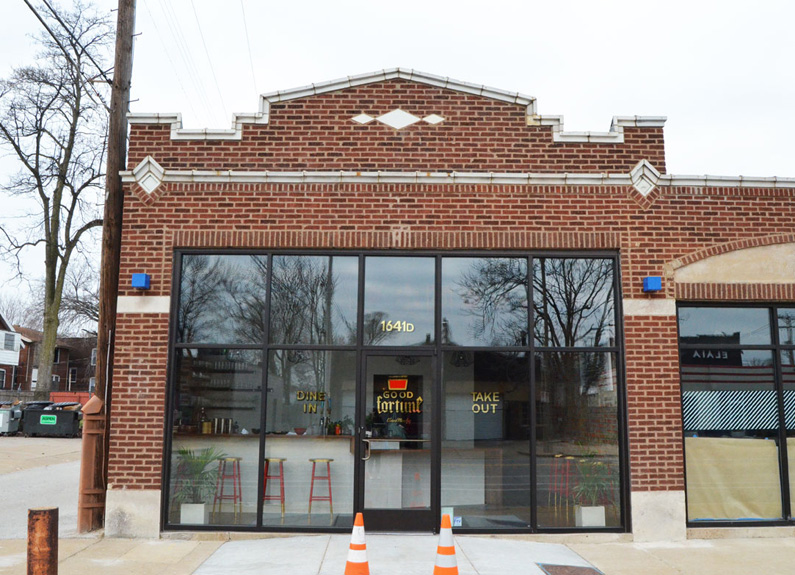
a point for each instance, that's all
(195, 477)
(593, 490)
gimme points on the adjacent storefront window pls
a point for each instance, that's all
(306, 387)
(736, 371)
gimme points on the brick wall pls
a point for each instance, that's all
(654, 404)
(136, 438)
(482, 135)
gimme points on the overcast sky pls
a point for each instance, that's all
(720, 71)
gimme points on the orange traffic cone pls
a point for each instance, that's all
(445, 552)
(357, 552)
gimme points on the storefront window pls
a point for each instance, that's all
(399, 301)
(222, 299)
(724, 325)
(577, 459)
(302, 392)
(486, 440)
(314, 300)
(310, 416)
(730, 414)
(573, 302)
(215, 447)
(484, 301)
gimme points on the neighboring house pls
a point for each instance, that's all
(72, 369)
(10, 346)
(82, 363)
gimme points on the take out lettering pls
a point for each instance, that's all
(485, 401)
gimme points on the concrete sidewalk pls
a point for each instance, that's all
(240, 554)
(409, 555)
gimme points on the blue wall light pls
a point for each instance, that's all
(652, 284)
(141, 281)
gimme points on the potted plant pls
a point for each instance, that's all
(195, 477)
(593, 490)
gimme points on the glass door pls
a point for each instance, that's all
(396, 484)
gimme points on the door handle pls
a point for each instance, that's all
(367, 451)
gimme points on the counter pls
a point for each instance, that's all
(296, 450)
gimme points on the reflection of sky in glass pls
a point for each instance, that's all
(219, 298)
(469, 320)
(403, 289)
(753, 324)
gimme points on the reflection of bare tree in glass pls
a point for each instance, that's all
(245, 301)
(573, 307)
(573, 302)
(301, 312)
(200, 289)
(301, 301)
(496, 292)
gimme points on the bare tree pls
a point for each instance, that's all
(53, 122)
(19, 310)
(80, 300)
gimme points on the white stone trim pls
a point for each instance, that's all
(132, 513)
(143, 304)
(524, 179)
(614, 136)
(507, 178)
(658, 516)
(726, 181)
(644, 178)
(654, 307)
(148, 174)
(403, 74)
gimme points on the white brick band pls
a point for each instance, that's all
(659, 307)
(143, 304)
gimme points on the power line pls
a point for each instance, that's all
(207, 52)
(171, 61)
(182, 47)
(248, 45)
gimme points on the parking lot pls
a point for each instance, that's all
(38, 472)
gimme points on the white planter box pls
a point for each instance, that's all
(589, 516)
(193, 514)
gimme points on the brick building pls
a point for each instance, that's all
(443, 302)
(27, 373)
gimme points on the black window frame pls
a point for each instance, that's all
(437, 347)
(775, 348)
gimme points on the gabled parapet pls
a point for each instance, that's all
(614, 136)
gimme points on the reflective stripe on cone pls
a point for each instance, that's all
(445, 552)
(357, 552)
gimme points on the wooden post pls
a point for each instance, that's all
(43, 541)
(111, 248)
(91, 498)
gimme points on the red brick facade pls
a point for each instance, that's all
(653, 234)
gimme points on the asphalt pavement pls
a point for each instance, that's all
(38, 472)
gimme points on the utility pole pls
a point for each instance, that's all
(94, 464)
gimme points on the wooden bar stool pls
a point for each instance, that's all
(228, 469)
(326, 478)
(278, 463)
